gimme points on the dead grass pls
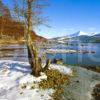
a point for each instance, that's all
(55, 80)
(11, 42)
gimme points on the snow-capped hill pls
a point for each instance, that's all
(79, 36)
(79, 33)
(96, 34)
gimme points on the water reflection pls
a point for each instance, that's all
(16, 52)
(78, 58)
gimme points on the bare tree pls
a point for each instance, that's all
(29, 11)
(33, 56)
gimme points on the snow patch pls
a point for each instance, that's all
(31, 81)
(13, 75)
(79, 33)
(62, 69)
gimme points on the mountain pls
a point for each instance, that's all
(78, 37)
(96, 35)
(79, 33)
(95, 38)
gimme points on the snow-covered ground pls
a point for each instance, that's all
(62, 69)
(16, 82)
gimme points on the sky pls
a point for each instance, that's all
(69, 16)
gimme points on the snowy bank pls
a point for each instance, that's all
(16, 82)
(62, 69)
(13, 75)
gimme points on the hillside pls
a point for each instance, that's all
(79, 33)
(13, 30)
(9, 28)
(77, 37)
(38, 38)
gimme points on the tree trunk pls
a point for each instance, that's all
(34, 61)
(47, 65)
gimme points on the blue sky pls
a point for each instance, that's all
(69, 16)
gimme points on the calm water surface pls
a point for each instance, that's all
(76, 59)
(16, 52)
(19, 53)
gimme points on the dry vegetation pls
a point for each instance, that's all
(12, 30)
(55, 80)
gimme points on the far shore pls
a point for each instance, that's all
(93, 68)
(71, 51)
(12, 42)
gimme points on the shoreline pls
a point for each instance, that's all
(25, 85)
(69, 51)
(3, 42)
(81, 85)
(88, 67)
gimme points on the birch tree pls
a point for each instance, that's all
(29, 11)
